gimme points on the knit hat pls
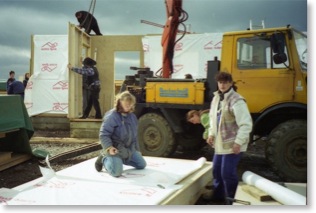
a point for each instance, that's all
(89, 62)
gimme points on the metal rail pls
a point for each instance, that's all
(74, 153)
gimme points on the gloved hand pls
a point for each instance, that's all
(123, 152)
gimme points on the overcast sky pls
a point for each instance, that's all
(19, 19)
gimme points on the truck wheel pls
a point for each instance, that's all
(287, 150)
(155, 136)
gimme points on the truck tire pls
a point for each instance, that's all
(155, 136)
(286, 150)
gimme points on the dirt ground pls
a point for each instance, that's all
(252, 160)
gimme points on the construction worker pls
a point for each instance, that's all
(92, 74)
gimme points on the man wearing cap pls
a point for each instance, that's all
(90, 71)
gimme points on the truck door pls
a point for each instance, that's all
(259, 79)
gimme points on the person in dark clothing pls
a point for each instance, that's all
(88, 22)
(26, 79)
(85, 92)
(92, 74)
(11, 78)
(15, 88)
(188, 76)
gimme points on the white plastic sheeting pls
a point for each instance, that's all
(190, 54)
(47, 88)
(278, 192)
(81, 184)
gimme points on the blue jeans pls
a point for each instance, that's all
(225, 177)
(114, 164)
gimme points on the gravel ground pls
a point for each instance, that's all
(253, 160)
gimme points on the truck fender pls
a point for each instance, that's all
(285, 108)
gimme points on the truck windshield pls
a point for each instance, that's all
(301, 46)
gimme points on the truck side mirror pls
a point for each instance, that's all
(279, 58)
(278, 45)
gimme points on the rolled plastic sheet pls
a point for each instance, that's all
(276, 191)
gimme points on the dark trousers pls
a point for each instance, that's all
(93, 100)
(85, 98)
(225, 177)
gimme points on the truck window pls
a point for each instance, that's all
(255, 53)
(301, 46)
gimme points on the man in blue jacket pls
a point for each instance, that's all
(15, 87)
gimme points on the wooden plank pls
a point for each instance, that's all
(87, 123)
(118, 84)
(51, 123)
(14, 160)
(242, 195)
(3, 134)
(5, 156)
(84, 133)
(85, 128)
(257, 193)
(11, 130)
(192, 189)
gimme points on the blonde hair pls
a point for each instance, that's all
(125, 96)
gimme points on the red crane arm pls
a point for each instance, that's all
(174, 11)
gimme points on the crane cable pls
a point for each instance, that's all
(183, 17)
(91, 11)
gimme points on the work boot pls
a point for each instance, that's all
(98, 163)
(209, 185)
(208, 194)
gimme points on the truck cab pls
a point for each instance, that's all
(269, 67)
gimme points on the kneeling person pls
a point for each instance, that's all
(118, 136)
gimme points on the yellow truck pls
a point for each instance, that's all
(269, 67)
